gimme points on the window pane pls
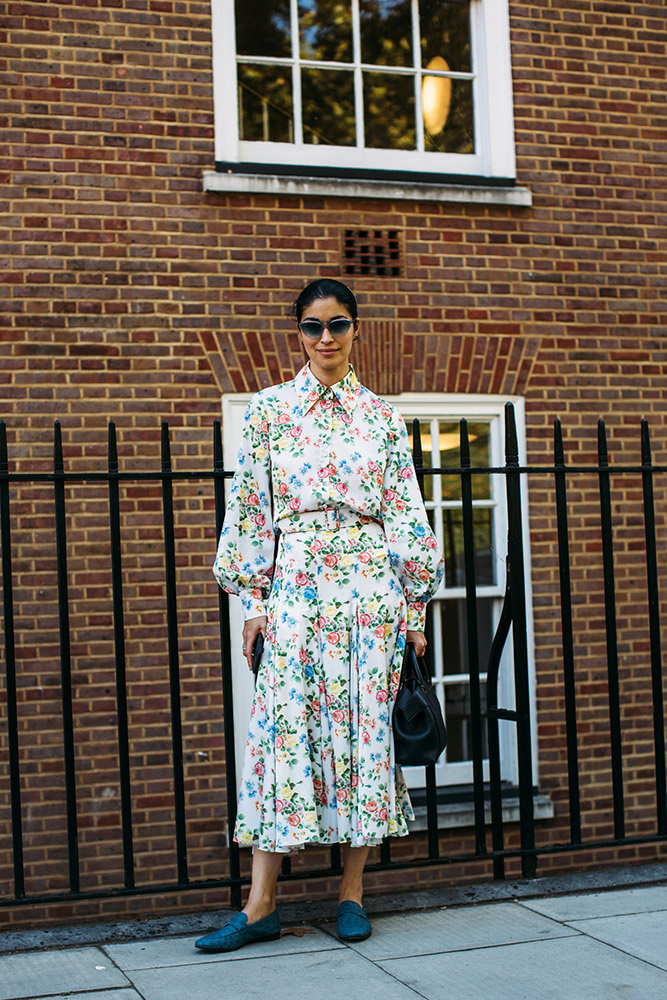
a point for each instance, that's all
(386, 32)
(448, 117)
(325, 30)
(328, 107)
(482, 527)
(427, 453)
(456, 661)
(263, 29)
(265, 103)
(455, 634)
(445, 33)
(457, 720)
(389, 111)
(479, 439)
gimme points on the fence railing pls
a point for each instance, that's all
(512, 621)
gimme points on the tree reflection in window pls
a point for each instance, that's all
(389, 111)
(265, 103)
(345, 100)
(325, 30)
(263, 29)
(328, 106)
(386, 32)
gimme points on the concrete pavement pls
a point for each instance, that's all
(594, 945)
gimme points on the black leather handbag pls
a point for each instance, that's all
(419, 728)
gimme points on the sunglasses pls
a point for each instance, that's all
(314, 329)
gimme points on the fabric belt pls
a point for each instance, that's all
(329, 519)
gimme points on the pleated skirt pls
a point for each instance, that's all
(319, 762)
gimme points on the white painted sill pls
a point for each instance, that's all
(453, 815)
(344, 187)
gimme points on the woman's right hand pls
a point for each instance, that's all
(250, 631)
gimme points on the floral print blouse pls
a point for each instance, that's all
(307, 446)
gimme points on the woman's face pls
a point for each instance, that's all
(329, 355)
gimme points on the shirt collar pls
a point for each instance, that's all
(311, 390)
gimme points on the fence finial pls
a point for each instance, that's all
(511, 440)
(113, 450)
(166, 448)
(465, 444)
(559, 451)
(603, 456)
(646, 443)
(58, 462)
(4, 456)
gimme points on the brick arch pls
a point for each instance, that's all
(246, 362)
(386, 359)
(462, 363)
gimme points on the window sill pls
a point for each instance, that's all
(452, 815)
(229, 182)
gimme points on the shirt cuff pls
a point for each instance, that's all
(253, 603)
(416, 616)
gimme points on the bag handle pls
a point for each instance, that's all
(417, 666)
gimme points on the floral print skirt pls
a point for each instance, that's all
(319, 763)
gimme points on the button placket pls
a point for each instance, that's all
(323, 424)
(328, 411)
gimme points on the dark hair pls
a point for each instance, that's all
(325, 288)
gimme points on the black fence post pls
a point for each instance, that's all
(473, 644)
(10, 667)
(227, 683)
(654, 631)
(174, 664)
(610, 628)
(65, 658)
(431, 786)
(520, 646)
(567, 636)
(493, 715)
(119, 654)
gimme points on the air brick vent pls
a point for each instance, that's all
(372, 252)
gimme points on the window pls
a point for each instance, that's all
(402, 88)
(439, 417)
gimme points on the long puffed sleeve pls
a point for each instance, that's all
(244, 561)
(413, 548)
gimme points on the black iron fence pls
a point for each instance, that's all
(512, 621)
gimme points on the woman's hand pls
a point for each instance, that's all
(250, 631)
(418, 639)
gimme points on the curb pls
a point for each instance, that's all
(323, 910)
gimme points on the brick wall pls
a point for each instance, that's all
(129, 294)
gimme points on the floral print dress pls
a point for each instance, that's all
(319, 763)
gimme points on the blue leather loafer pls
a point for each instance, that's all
(239, 932)
(352, 922)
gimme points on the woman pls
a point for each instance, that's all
(327, 463)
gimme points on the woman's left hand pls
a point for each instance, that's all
(418, 639)
(251, 629)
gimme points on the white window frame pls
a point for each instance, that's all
(494, 155)
(475, 407)
(442, 407)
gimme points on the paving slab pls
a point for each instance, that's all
(643, 935)
(600, 904)
(167, 952)
(97, 995)
(457, 928)
(326, 975)
(575, 968)
(42, 973)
